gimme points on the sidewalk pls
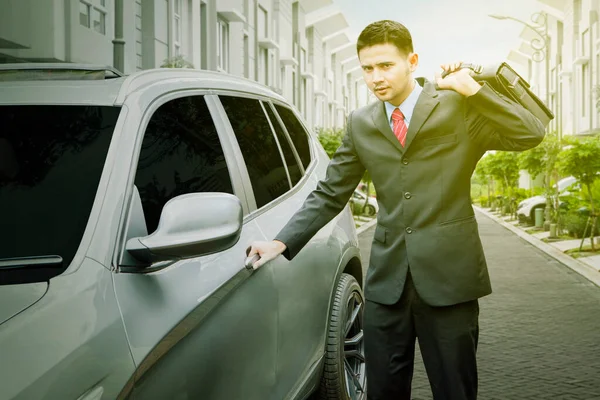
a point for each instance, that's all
(589, 267)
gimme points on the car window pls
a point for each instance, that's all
(51, 160)
(297, 133)
(256, 140)
(286, 148)
(181, 153)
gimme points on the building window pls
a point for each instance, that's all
(585, 88)
(92, 14)
(263, 61)
(263, 23)
(84, 14)
(246, 57)
(272, 71)
(222, 45)
(99, 19)
(585, 42)
(177, 28)
(294, 91)
(303, 58)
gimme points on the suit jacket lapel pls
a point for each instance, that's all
(426, 103)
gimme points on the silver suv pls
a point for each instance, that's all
(128, 203)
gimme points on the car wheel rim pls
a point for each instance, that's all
(354, 352)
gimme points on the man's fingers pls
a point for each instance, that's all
(261, 261)
(253, 251)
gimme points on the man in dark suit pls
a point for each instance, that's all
(421, 143)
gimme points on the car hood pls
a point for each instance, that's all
(16, 298)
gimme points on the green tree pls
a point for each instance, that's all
(581, 159)
(503, 166)
(176, 62)
(483, 176)
(552, 148)
(330, 139)
(532, 161)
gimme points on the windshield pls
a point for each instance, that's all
(51, 158)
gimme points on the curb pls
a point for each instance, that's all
(582, 269)
(366, 226)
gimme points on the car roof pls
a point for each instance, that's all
(114, 91)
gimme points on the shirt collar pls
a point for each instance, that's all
(408, 105)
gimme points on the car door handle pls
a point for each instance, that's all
(251, 260)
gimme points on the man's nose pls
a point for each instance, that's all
(377, 76)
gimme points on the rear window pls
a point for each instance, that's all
(51, 158)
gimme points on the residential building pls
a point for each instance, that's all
(568, 76)
(299, 48)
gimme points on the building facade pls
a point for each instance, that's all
(567, 78)
(299, 48)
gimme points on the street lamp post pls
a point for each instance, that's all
(540, 44)
(541, 52)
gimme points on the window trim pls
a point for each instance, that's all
(309, 133)
(288, 138)
(254, 211)
(279, 148)
(251, 198)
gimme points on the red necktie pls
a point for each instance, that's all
(399, 125)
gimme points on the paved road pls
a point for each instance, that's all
(539, 330)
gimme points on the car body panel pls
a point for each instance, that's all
(70, 342)
(16, 298)
(188, 326)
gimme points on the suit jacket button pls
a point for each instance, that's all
(404, 161)
(407, 195)
(409, 230)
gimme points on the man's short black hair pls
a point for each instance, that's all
(386, 32)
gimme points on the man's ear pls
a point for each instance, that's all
(413, 61)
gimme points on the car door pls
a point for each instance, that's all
(203, 327)
(304, 285)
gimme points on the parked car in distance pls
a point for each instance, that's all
(358, 199)
(526, 208)
(127, 205)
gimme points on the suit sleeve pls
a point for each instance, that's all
(498, 123)
(331, 195)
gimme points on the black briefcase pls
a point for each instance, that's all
(506, 81)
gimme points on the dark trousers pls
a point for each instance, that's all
(447, 339)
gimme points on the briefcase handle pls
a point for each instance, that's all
(476, 68)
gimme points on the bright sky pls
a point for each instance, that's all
(446, 31)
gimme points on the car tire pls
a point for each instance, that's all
(344, 373)
(370, 210)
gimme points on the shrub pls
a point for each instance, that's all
(574, 223)
(483, 201)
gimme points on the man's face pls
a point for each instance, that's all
(388, 72)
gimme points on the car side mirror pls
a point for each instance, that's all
(191, 225)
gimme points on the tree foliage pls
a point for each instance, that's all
(176, 62)
(330, 139)
(503, 166)
(581, 159)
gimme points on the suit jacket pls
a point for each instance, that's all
(425, 220)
